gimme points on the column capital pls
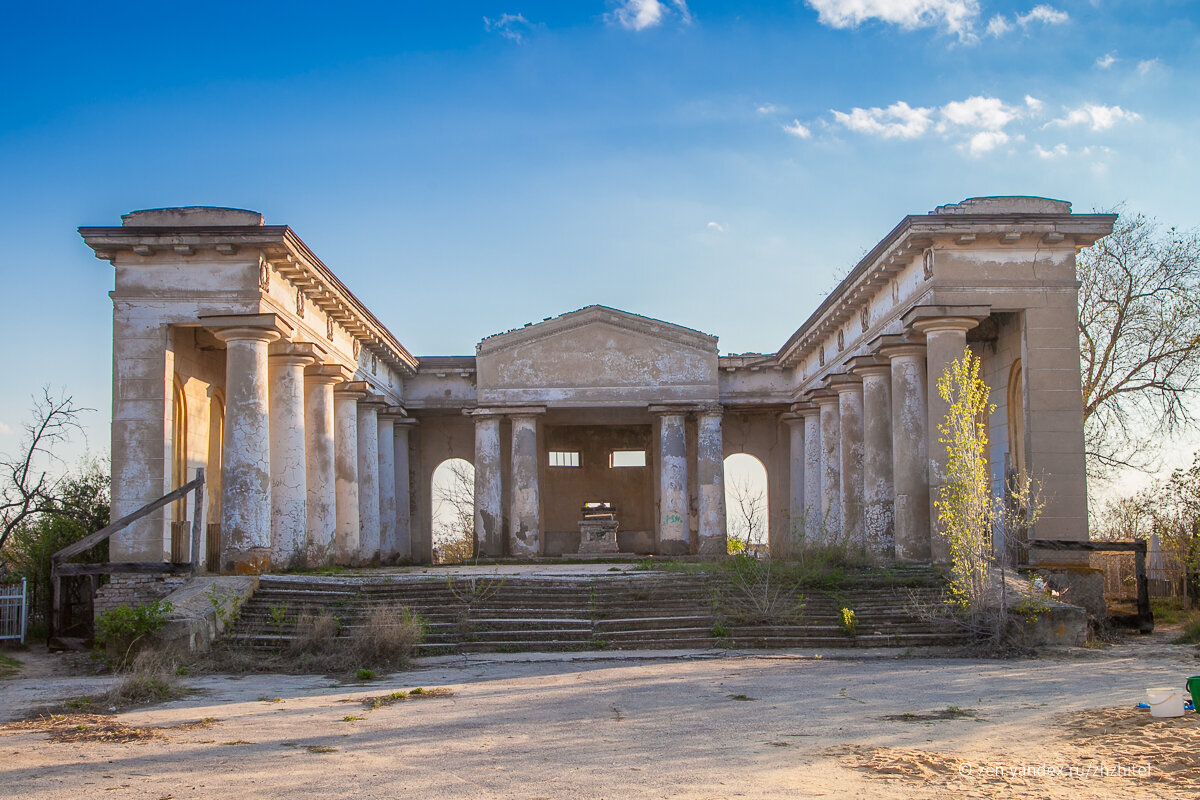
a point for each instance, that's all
(863, 366)
(407, 422)
(791, 419)
(710, 411)
(326, 373)
(516, 412)
(484, 412)
(891, 347)
(666, 410)
(845, 383)
(296, 353)
(822, 397)
(371, 399)
(225, 327)
(394, 413)
(353, 389)
(803, 410)
(925, 318)
(941, 324)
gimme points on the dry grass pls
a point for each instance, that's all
(101, 728)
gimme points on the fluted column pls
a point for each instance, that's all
(674, 519)
(368, 478)
(878, 490)
(525, 511)
(710, 477)
(403, 490)
(289, 480)
(387, 482)
(794, 532)
(831, 464)
(945, 342)
(246, 471)
(345, 412)
(321, 478)
(489, 509)
(850, 430)
(812, 472)
(910, 462)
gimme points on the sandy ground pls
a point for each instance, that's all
(752, 725)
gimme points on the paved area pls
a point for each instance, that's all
(650, 724)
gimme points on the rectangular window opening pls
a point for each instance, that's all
(627, 458)
(564, 458)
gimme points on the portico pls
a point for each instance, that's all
(237, 350)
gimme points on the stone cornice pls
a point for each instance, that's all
(282, 250)
(961, 223)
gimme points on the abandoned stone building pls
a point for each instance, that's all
(237, 350)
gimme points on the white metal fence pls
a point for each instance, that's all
(14, 611)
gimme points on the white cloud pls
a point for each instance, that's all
(1058, 151)
(638, 15)
(987, 113)
(998, 25)
(766, 108)
(954, 16)
(510, 26)
(897, 121)
(798, 130)
(1047, 15)
(986, 141)
(1097, 117)
(1144, 68)
(715, 226)
(1107, 60)
(5, 429)
(1033, 104)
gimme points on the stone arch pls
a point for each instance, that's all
(747, 500)
(452, 505)
(1016, 422)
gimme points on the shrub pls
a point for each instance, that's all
(388, 637)
(123, 629)
(315, 633)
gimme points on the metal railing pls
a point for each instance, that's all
(14, 611)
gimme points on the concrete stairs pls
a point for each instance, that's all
(625, 610)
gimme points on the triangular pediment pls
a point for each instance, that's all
(597, 355)
(599, 315)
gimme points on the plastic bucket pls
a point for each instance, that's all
(1165, 701)
(1193, 686)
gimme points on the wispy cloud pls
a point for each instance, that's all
(715, 226)
(510, 26)
(1107, 60)
(999, 25)
(897, 121)
(954, 16)
(797, 129)
(5, 429)
(639, 15)
(1096, 117)
(766, 108)
(1148, 66)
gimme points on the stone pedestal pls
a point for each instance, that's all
(598, 537)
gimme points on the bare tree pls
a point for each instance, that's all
(29, 484)
(747, 515)
(1139, 338)
(454, 512)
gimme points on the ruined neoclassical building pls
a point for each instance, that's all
(237, 350)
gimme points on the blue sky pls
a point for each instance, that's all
(468, 167)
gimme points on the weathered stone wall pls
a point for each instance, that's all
(130, 590)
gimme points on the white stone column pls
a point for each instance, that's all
(878, 490)
(831, 464)
(794, 532)
(710, 478)
(403, 491)
(850, 429)
(525, 510)
(910, 462)
(945, 342)
(489, 510)
(246, 478)
(345, 412)
(321, 478)
(812, 472)
(387, 483)
(289, 479)
(368, 479)
(673, 524)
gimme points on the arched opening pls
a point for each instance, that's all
(212, 480)
(179, 527)
(453, 504)
(746, 504)
(1016, 424)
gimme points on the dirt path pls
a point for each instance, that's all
(748, 725)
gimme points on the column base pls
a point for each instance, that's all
(674, 547)
(254, 561)
(714, 546)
